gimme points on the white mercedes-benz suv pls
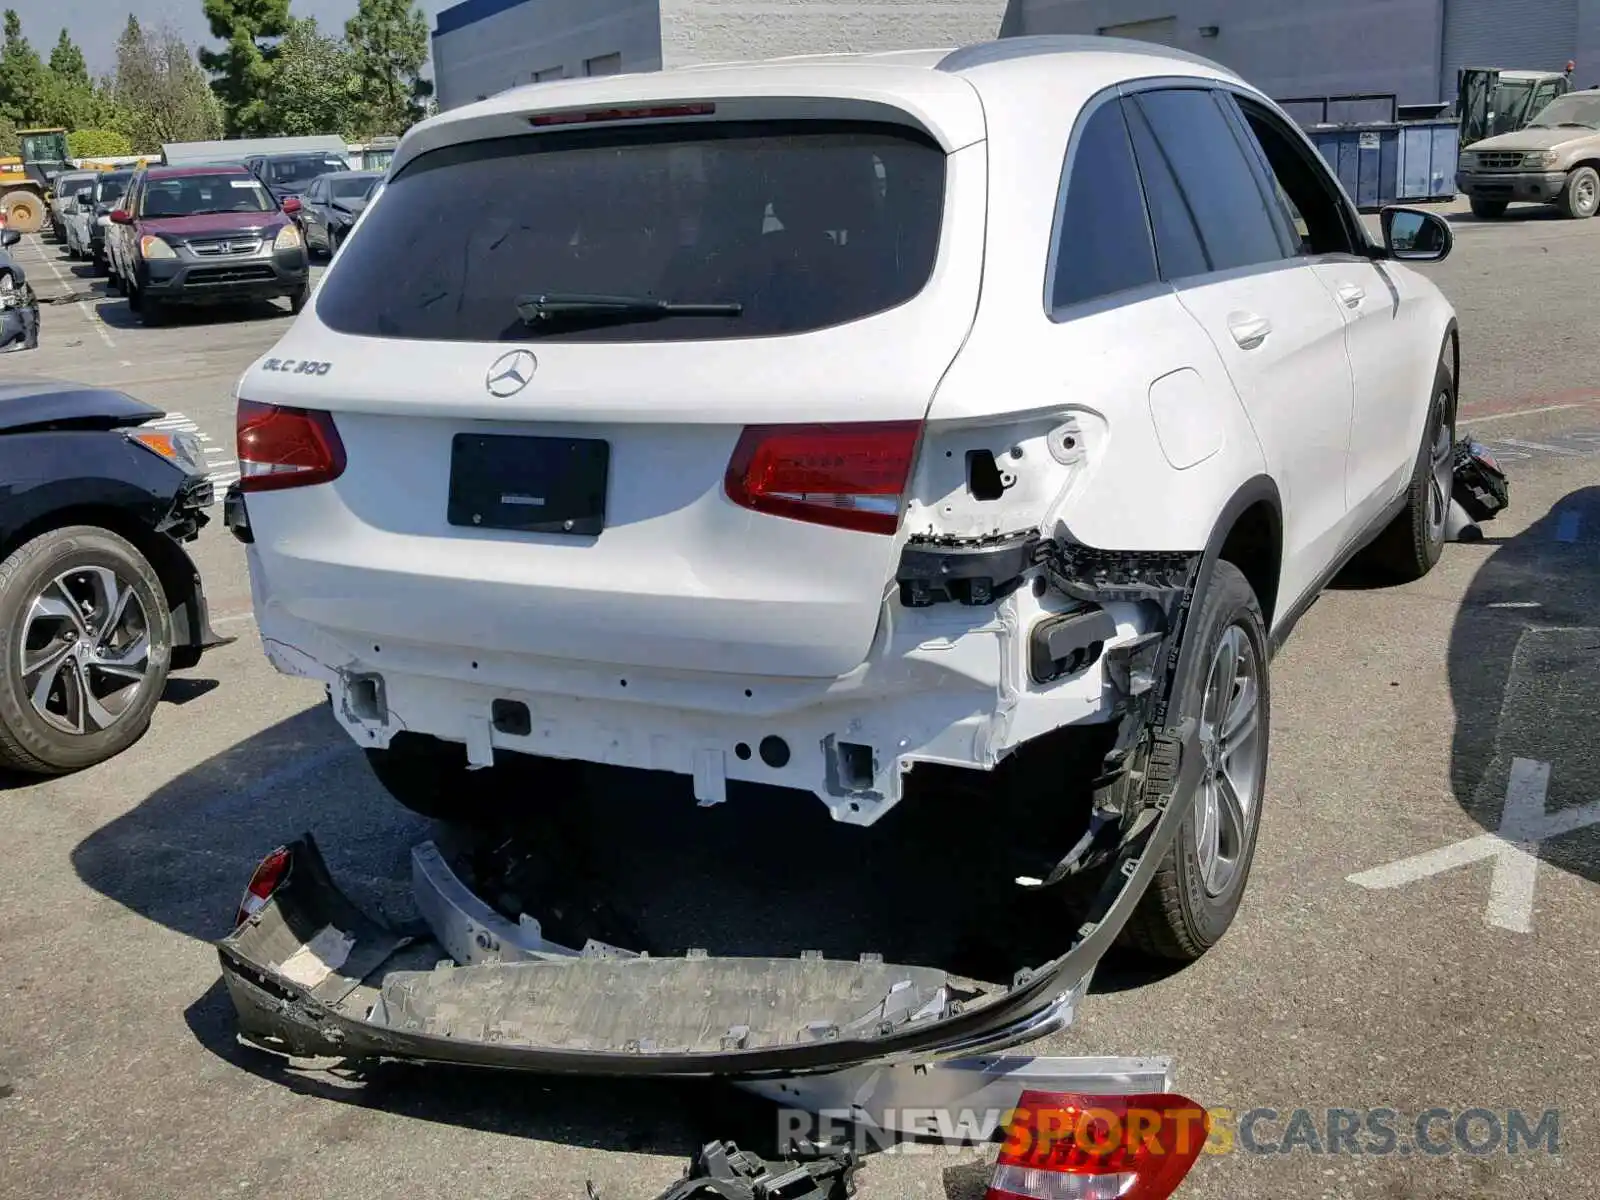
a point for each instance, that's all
(857, 425)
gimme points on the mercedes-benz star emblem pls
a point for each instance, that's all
(511, 373)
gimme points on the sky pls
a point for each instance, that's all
(95, 24)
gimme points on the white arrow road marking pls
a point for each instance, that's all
(1524, 824)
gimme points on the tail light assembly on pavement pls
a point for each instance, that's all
(849, 476)
(271, 874)
(286, 447)
(1071, 1147)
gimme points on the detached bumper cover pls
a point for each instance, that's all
(311, 975)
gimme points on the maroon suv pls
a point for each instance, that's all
(204, 235)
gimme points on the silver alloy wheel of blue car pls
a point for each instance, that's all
(85, 650)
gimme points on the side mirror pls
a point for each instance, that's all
(9, 238)
(292, 205)
(1412, 235)
(121, 216)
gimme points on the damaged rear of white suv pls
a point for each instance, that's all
(864, 426)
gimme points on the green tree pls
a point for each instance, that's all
(10, 144)
(68, 98)
(66, 61)
(23, 80)
(242, 70)
(389, 39)
(315, 88)
(160, 94)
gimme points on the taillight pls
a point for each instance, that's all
(1071, 1147)
(849, 476)
(268, 878)
(649, 113)
(286, 447)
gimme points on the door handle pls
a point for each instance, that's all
(1248, 329)
(1352, 295)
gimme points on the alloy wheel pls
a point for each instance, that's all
(1441, 474)
(1231, 743)
(85, 650)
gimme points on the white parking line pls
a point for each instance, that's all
(221, 472)
(82, 306)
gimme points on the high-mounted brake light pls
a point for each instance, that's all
(589, 116)
(848, 476)
(269, 876)
(286, 447)
(1071, 1147)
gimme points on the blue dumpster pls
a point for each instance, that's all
(1383, 161)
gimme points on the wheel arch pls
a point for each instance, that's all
(172, 565)
(1248, 533)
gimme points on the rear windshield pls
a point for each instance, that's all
(351, 187)
(804, 224)
(191, 195)
(301, 170)
(113, 187)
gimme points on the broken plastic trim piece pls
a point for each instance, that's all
(1069, 643)
(723, 1171)
(971, 571)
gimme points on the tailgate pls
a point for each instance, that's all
(581, 485)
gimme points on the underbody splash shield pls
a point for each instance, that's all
(313, 976)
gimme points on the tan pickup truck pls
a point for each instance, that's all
(1554, 160)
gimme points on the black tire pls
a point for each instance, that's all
(113, 280)
(298, 301)
(1411, 545)
(1181, 915)
(1488, 209)
(1580, 199)
(28, 740)
(334, 238)
(135, 297)
(430, 777)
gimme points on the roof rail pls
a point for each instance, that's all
(1006, 49)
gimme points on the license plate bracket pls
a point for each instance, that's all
(529, 484)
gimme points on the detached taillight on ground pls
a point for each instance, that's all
(848, 476)
(1070, 1147)
(269, 877)
(286, 447)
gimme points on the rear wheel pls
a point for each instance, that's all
(1580, 199)
(24, 211)
(430, 777)
(297, 302)
(1224, 685)
(1488, 209)
(87, 644)
(1414, 541)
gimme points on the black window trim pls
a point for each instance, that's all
(1059, 314)
(1355, 231)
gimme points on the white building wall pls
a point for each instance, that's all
(505, 43)
(697, 31)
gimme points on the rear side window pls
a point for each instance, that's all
(805, 224)
(1201, 184)
(1103, 234)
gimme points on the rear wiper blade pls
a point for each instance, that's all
(564, 306)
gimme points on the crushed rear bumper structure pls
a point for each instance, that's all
(313, 976)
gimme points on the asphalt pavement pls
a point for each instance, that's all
(1418, 943)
